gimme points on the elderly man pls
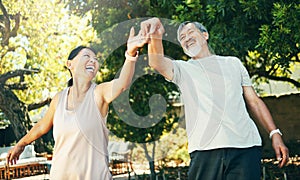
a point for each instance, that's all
(224, 142)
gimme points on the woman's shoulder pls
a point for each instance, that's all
(56, 98)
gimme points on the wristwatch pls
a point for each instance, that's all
(274, 132)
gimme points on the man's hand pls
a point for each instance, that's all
(281, 151)
(152, 28)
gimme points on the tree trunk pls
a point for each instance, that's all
(151, 161)
(152, 170)
(16, 112)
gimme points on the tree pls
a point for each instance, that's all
(130, 116)
(264, 34)
(36, 37)
(249, 30)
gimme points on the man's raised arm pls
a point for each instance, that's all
(154, 29)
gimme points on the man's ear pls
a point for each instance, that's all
(205, 35)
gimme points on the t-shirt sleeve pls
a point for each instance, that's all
(246, 81)
(176, 72)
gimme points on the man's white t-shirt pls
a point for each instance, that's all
(215, 111)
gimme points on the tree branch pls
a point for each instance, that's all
(6, 30)
(278, 78)
(39, 105)
(19, 72)
(19, 86)
(13, 32)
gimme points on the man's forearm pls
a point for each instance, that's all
(155, 52)
(263, 115)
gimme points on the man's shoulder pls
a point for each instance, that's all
(180, 62)
(228, 57)
(233, 60)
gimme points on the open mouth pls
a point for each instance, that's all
(190, 43)
(90, 68)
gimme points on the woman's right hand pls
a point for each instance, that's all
(14, 154)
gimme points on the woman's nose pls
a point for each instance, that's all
(92, 60)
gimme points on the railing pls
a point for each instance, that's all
(24, 170)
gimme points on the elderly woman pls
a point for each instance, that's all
(78, 117)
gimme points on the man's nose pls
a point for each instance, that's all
(187, 38)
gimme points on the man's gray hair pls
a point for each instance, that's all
(197, 24)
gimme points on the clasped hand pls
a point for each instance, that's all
(151, 29)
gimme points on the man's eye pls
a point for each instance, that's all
(86, 55)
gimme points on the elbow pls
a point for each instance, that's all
(125, 86)
(154, 66)
(255, 107)
(154, 61)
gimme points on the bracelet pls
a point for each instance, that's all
(131, 58)
(274, 132)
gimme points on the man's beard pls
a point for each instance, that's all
(194, 50)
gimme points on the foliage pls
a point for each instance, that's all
(112, 20)
(36, 37)
(3, 121)
(46, 35)
(172, 145)
(250, 30)
(264, 34)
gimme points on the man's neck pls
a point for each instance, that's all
(202, 55)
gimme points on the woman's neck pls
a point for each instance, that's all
(80, 87)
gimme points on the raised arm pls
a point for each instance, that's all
(41, 128)
(155, 30)
(111, 90)
(260, 112)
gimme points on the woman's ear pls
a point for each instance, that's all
(68, 64)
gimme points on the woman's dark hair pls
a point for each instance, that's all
(72, 55)
(75, 52)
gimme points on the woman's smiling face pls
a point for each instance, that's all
(85, 64)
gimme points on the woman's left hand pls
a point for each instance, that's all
(135, 42)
